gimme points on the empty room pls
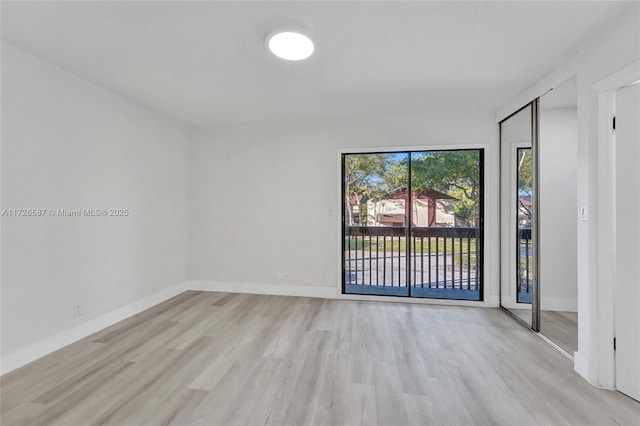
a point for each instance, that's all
(320, 213)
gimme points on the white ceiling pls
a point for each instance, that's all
(205, 63)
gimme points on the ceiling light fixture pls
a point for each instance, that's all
(289, 45)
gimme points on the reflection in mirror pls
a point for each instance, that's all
(516, 210)
(558, 216)
(524, 244)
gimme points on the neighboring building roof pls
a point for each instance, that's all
(525, 200)
(422, 195)
(401, 194)
(391, 218)
(524, 207)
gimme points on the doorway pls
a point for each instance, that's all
(412, 223)
(627, 237)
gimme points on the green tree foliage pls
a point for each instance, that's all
(525, 180)
(463, 207)
(525, 175)
(361, 174)
(395, 177)
(456, 173)
(377, 176)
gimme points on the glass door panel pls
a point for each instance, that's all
(446, 214)
(375, 225)
(419, 212)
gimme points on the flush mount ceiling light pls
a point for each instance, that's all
(289, 45)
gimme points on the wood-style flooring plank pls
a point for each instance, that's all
(361, 405)
(239, 359)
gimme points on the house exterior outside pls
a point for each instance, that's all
(430, 209)
(524, 211)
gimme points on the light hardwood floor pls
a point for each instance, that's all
(235, 359)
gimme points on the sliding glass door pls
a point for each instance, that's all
(412, 223)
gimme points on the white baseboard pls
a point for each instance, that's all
(510, 303)
(493, 301)
(558, 304)
(581, 365)
(39, 349)
(546, 304)
(274, 289)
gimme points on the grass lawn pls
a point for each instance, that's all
(399, 243)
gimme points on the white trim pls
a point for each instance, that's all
(412, 148)
(558, 304)
(490, 300)
(542, 86)
(605, 225)
(580, 364)
(339, 219)
(623, 77)
(323, 292)
(549, 303)
(513, 219)
(44, 347)
(491, 303)
(509, 302)
(600, 360)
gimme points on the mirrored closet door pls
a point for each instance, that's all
(558, 154)
(518, 202)
(539, 215)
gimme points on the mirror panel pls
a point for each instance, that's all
(558, 142)
(517, 186)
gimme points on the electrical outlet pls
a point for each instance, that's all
(76, 311)
(280, 275)
(141, 286)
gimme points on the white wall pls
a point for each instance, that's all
(558, 207)
(264, 198)
(69, 144)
